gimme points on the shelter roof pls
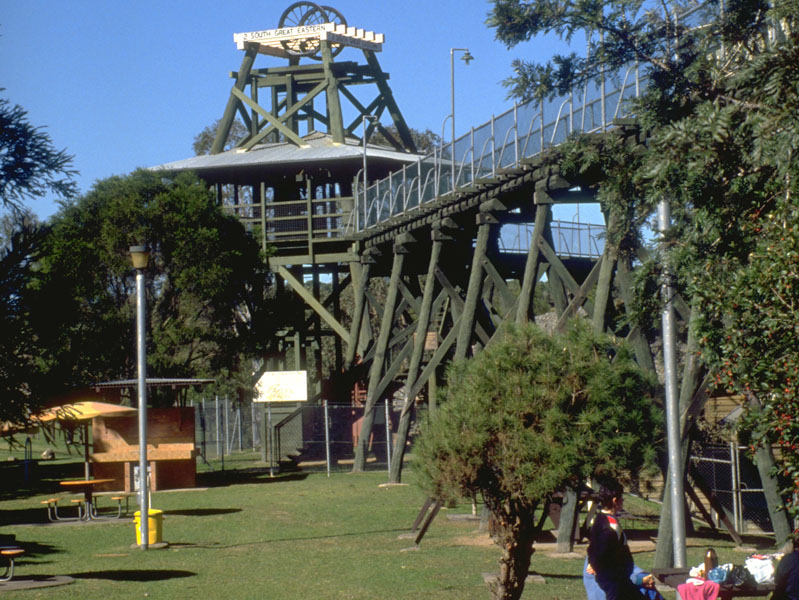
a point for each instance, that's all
(319, 151)
(173, 382)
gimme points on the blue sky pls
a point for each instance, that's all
(123, 85)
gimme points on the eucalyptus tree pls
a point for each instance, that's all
(206, 285)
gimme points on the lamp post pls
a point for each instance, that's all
(467, 57)
(364, 119)
(140, 256)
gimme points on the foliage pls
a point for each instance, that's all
(29, 164)
(20, 238)
(533, 415)
(425, 141)
(205, 285)
(204, 140)
(720, 110)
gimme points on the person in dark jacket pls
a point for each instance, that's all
(786, 578)
(609, 555)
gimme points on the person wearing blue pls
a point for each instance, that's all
(786, 578)
(609, 572)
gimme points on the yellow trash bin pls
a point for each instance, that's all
(153, 526)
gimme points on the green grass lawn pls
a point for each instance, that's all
(293, 536)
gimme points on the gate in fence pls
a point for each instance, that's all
(734, 479)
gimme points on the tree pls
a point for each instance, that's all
(425, 141)
(205, 139)
(720, 110)
(533, 415)
(29, 164)
(206, 286)
(20, 238)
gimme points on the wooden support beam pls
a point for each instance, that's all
(472, 293)
(376, 369)
(416, 360)
(336, 118)
(530, 278)
(389, 102)
(226, 121)
(435, 361)
(301, 291)
(580, 295)
(603, 285)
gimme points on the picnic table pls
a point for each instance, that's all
(674, 577)
(87, 486)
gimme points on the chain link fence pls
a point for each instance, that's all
(313, 437)
(734, 479)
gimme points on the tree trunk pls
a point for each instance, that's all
(516, 540)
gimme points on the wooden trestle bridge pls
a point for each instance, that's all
(459, 238)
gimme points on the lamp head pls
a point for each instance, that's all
(140, 256)
(467, 57)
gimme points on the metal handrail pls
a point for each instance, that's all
(404, 190)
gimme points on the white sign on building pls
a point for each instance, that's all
(282, 386)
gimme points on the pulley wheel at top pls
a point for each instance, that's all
(308, 13)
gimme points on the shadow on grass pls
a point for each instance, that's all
(560, 576)
(257, 475)
(24, 516)
(202, 512)
(134, 574)
(178, 545)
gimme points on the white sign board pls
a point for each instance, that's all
(282, 386)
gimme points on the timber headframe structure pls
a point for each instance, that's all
(435, 250)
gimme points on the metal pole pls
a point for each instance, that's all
(364, 119)
(144, 514)
(271, 439)
(225, 446)
(327, 438)
(466, 57)
(388, 436)
(452, 109)
(216, 415)
(672, 400)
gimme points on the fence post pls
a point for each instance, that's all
(271, 438)
(327, 438)
(216, 414)
(388, 437)
(225, 447)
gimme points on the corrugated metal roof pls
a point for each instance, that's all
(319, 148)
(174, 382)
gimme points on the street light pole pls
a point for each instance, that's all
(467, 56)
(364, 119)
(140, 256)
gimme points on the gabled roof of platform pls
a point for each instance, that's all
(319, 151)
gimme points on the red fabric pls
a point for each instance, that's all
(709, 590)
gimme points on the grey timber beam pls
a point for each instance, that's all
(273, 121)
(458, 304)
(336, 119)
(388, 99)
(376, 369)
(643, 353)
(435, 361)
(395, 473)
(473, 292)
(362, 281)
(301, 291)
(581, 294)
(226, 122)
(499, 283)
(530, 278)
(603, 286)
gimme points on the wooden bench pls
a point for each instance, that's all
(9, 553)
